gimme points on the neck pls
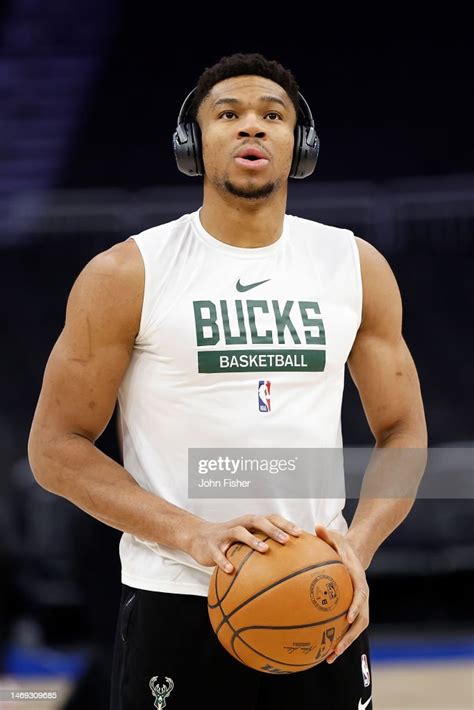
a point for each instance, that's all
(241, 222)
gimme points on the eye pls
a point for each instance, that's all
(274, 115)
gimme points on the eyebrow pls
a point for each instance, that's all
(263, 99)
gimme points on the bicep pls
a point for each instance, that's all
(380, 362)
(78, 395)
(385, 375)
(88, 361)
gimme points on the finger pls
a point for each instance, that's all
(276, 527)
(222, 562)
(327, 536)
(273, 531)
(355, 569)
(353, 614)
(287, 525)
(262, 524)
(243, 535)
(354, 631)
(359, 601)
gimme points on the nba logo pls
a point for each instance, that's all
(365, 670)
(264, 395)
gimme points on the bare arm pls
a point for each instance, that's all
(79, 391)
(385, 375)
(78, 396)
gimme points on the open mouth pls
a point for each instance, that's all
(252, 162)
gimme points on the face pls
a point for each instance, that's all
(247, 126)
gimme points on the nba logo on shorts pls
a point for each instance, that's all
(264, 395)
(365, 670)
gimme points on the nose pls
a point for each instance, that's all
(257, 133)
(252, 127)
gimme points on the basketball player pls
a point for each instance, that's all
(183, 323)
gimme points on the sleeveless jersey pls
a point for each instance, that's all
(237, 347)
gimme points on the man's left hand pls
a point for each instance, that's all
(358, 615)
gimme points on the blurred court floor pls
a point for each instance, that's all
(427, 686)
(396, 686)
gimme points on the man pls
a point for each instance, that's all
(163, 321)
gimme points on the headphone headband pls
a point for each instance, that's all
(304, 107)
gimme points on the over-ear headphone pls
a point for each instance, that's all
(188, 150)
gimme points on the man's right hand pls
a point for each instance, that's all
(210, 541)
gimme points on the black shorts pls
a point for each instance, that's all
(169, 638)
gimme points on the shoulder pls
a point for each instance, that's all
(381, 294)
(370, 256)
(375, 268)
(110, 288)
(120, 265)
(121, 259)
(120, 269)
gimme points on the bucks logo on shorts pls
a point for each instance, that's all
(279, 336)
(160, 692)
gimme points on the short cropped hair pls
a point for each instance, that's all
(238, 65)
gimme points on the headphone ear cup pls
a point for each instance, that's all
(187, 149)
(305, 153)
(296, 152)
(197, 146)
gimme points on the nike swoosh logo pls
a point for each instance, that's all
(240, 287)
(362, 705)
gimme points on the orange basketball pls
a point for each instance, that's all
(284, 610)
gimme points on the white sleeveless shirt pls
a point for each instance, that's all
(237, 347)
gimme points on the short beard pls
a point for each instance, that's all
(252, 193)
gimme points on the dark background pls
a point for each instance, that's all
(383, 109)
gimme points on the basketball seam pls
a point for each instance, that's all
(293, 626)
(219, 599)
(274, 584)
(274, 660)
